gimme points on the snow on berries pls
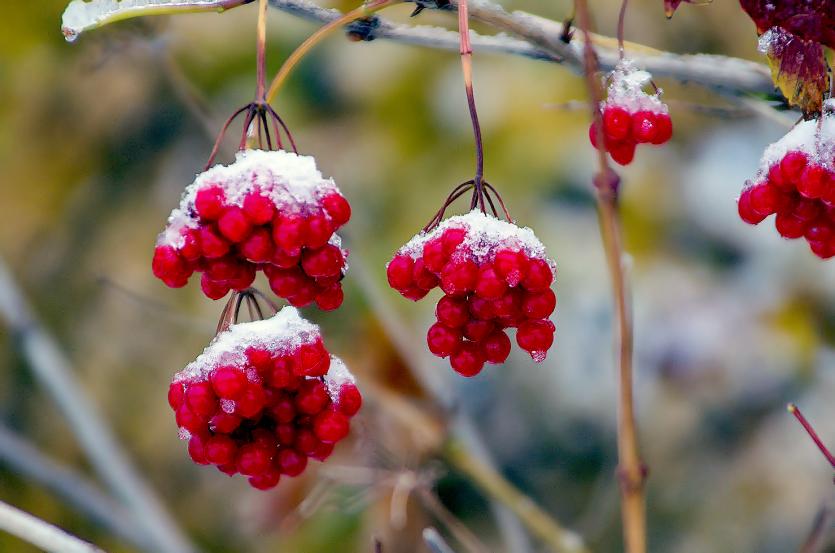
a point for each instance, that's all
(494, 276)
(796, 182)
(270, 211)
(264, 398)
(629, 115)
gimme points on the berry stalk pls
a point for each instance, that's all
(323, 32)
(261, 58)
(631, 469)
(792, 408)
(466, 51)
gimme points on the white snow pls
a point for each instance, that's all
(626, 89)
(291, 181)
(338, 375)
(485, 236)
(283, 333)
(815, 138)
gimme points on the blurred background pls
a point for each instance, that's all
(98, 139)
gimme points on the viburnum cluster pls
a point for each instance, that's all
(796, 181)
(629, 115)
(269, 210)
(263, 398)
(494, 276)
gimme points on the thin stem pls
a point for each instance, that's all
(621, 20)
(793, 409)
(631, 471)
(284, 71)
(219, 139)
(261, 59)
(538, 522)
(466, 51)
(227, 316)
(41, 534)
(456, 193)
(501, 201)
(276, 117)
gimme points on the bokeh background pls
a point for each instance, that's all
(98, 139)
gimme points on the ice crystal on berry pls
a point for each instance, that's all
(629, 115)
(796, 182)
(269, 210)
(263, 398)
(495, 275)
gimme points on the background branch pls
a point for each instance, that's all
(41, 534)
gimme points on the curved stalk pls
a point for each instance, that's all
(323, 32)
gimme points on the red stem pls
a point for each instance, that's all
(812, 434)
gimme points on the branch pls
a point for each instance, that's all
(28, 461)
(540, 38)
(54, 372)
(41, 534)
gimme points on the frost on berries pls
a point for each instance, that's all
(268, 211)
(629, 115)
(263, 398)
(494, 276)
(796, 182)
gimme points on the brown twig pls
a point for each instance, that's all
(631, 471)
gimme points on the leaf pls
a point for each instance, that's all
(798, 68)
(808, 19)
(670, 6)
(83, 15)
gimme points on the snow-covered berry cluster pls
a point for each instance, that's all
(494, 275)
(796, 181)
(263, 398)
(269, 210)
(629, 115)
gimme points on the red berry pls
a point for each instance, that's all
(209, 203)
(169, 267)
(489, 284)
(622, 152)
(221, 450)
(253, 460)
(535, 337)
(212, 245)
(477, 330)
(617, 123)
(326, 261)
(312, 397)
(349, 400)
(423, 277)
(643, 126)
(259, 209)
(813, 181)
(212, 289)
(452, 312)
(286, 433)
(663, 128)
(481, 308)
(251, 401)
(746, 210)
(319, 230)
(792, 166)
(225, 423)
(468, 359)
(414, 293)
(191, 245)
(765, 199)
(283, 410)
(496, 347)
(306, 441)
(539, 304)
(511, 265)
(197, 449)
(789, 226)
(509, 305)
(338, 208)
(459, 277)
(442, 340)
(260, 358)
(201, 399)
(286, 282)
(330, 298)
(234, 225)
(228, 382)
(189, 420)
(322, 451)
(176, 395)
(290, 461)
(259, 247)
(312, 359)
(330, 426)
(452, 238)
(400, 272)
(289, 233)
(539, 275)
(267, 480)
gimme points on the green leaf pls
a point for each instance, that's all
(83, 15)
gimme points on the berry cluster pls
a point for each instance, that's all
(630, 116)
(796, 181)
(270, 210)
(494, 275)
(263, 398)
